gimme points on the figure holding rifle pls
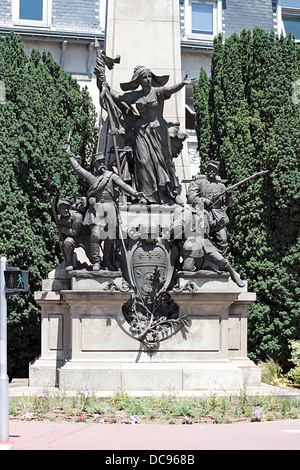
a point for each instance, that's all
(101, 215)
(209, 190)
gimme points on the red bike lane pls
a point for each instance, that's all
(272, 435)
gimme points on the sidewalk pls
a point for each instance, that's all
(33, 435)
(273, 435)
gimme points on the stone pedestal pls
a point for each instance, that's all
(86, 340)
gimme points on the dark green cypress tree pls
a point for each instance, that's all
(202, 117)
(217, 106)
(255, 126)
(41, 103)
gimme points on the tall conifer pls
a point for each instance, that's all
(41, 103)
(202, 117)
(255, 126)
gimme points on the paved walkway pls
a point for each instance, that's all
(273, 435)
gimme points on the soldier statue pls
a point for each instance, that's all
(74, 233)
(192, 225)
(101, 214)
(209, 190)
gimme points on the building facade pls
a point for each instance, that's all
(69, 28)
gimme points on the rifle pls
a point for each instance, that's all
(60, 235)
(230, 188)
(67, 141)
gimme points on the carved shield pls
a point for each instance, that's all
(151, 268)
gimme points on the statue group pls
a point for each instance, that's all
(142, 173)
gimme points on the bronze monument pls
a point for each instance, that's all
(148, 255)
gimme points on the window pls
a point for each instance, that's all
(31, 12)
(289, 17)
(292, 24)
(202, 19)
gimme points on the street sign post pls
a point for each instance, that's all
(3, 357)
(12, 281)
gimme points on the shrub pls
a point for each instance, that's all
(294, 373)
